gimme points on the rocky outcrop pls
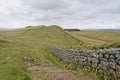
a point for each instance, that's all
(104, 61)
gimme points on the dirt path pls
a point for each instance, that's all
(51, 73)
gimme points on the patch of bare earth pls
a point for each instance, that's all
(52, 73)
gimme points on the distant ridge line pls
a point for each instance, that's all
(107, 30)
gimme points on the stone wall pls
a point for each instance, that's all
(104, 61)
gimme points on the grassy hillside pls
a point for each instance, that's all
(23, 54)
(96, 38)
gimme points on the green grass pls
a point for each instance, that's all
(29, 42)
(91, 39)
(32, 42)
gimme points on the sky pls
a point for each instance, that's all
(82, 14)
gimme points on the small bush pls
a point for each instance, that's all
(4, 41)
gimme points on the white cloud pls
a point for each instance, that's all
(67, 13)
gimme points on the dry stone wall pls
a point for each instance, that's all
(104, 61)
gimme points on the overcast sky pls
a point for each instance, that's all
(82, 14)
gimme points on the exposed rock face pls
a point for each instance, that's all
(105, 60)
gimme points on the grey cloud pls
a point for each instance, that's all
(46, 4)
(113, 10)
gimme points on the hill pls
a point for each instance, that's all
(24, 55)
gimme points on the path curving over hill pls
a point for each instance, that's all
(26, 50)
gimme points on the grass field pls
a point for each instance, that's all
(96, 38)
(23, 55)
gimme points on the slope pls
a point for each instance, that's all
(96, 38)
(23, 54)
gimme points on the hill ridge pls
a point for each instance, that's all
(27, 47)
